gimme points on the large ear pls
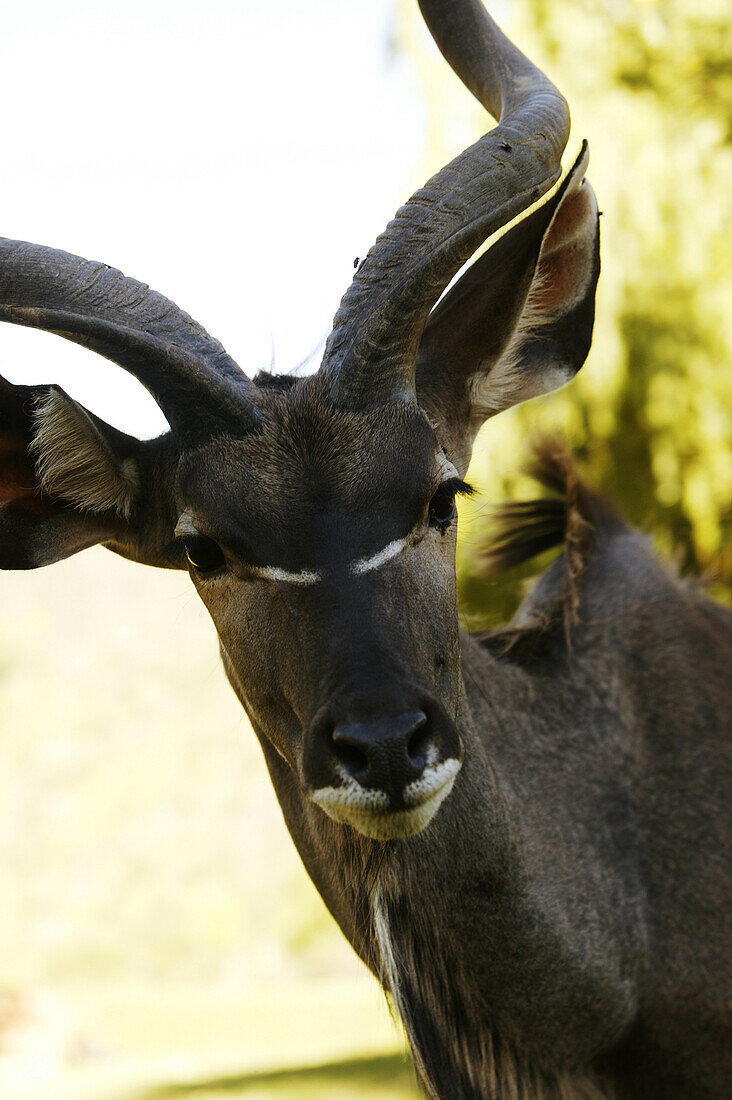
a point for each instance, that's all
(69, 481)
(519, 321)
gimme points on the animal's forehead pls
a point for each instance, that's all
(312, 459)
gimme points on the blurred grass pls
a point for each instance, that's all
(134, 802)
(155, 921)
(388, 1076)
(158, 1041)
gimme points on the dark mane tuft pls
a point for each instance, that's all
(570, 518)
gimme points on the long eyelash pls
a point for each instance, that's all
(457, 486)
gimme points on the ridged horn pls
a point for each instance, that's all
(371, 352)
(194, 381)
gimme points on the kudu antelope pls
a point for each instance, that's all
(523, 835)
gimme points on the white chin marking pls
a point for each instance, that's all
(367, 810)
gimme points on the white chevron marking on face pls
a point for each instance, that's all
(273, 573)
(315, 576)
(358, 567)
(381, 557)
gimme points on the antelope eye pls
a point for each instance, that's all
(442, 506)
(204, 555)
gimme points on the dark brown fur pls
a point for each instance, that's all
(521, 530)
(525, 836)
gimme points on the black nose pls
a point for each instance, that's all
(385, 755)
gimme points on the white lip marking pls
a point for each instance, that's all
(433, 781)
(367, 810)
(351, 797)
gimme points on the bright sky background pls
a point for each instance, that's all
(237, 156)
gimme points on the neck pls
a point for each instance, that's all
(505, 865)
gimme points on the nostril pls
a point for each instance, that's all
(418, 745)
(354, 759)
(387, 754)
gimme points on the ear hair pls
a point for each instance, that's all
(506, 384)
(563, 272)
(74, 461)
(518, 323)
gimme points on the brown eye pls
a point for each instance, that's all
(442, 506)
(204, 555)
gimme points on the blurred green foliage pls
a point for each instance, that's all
(649, 83)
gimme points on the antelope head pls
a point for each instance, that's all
(316, 516)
